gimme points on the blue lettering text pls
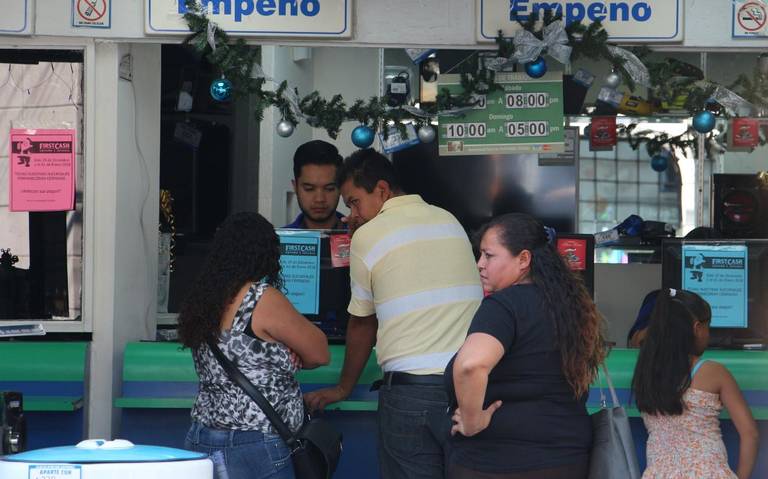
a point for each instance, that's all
(265, 7)
(646, 11)
(289, 3)
(596, 12)
(575, 11)
(615, 7)
(539, 9)
(243, 8)
(213, 6)
(517, 9)
(310, 8)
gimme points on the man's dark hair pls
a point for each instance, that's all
(366, 168)
(315, 152)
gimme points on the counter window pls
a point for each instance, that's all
(41, 172)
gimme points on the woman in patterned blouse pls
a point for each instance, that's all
(236, 301)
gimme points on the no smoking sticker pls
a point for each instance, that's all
(749, 18)
(92, 13)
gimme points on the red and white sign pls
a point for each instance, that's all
(340, 244)
(744, 134)
(42, 164)
(92, 13)
(602, 133)
(749, 18)
(574, 251)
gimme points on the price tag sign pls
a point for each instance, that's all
(525, 116)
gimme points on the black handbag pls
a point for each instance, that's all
(315, 449)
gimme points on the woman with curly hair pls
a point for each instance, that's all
(521, 379)
(236, 302)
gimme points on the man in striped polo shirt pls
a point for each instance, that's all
(415, 289)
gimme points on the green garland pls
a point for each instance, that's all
(586, 41)
(654, 141)
(669, 80)
(236, 61)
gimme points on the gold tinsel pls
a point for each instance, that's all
(168, 222)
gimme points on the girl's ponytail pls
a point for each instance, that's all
(662, 372)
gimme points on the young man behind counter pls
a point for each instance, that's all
(315, 165)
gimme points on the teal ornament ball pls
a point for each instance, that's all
(660, 161)
(704, 121)
(221, 89)
(536, 68)
(362, 136)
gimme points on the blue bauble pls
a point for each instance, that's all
(659, 162)
(221, 89)
(362, 136)
(536, 68)
(703, 121)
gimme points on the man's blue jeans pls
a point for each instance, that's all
(414, 426)
(245, 454)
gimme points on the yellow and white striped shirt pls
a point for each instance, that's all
(412, 266)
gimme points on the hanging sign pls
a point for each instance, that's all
(574, 251)
(256, 18)
(744, 134)
(526, 116)
(628, 20)
(394, 141)
(602, 133)
(340, 244)
(300, 268)
(719, 275)
(748, 18)
(42, 170)
(16, 18)
(570, 152)
(92, 13)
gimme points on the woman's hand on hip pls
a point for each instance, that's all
(469, 425)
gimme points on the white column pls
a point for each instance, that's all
(126, 133)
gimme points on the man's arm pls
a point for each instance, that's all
(361, 337)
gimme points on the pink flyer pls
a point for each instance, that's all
(42, 172)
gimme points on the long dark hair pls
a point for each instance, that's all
(663, 369)
(245, 249)
(578, 326)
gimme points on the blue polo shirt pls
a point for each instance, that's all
(298, 223)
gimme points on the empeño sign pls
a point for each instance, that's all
(259, 18)
(628, 20)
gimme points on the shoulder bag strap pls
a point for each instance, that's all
(239, 378)
(614, 397)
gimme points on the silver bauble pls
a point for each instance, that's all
(426, 134)
(613, 80)
(285, 128)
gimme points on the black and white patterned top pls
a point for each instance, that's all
(220, 403)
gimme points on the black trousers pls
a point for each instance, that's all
(576, 471)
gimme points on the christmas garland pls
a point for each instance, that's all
(667, 80)
(236, 61)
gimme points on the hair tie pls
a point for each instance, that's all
(549, 235)
(672, 292)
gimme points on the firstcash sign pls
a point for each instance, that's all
(624, 20)
(259, 18)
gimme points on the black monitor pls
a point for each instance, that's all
(730, 327)
(334, 292)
